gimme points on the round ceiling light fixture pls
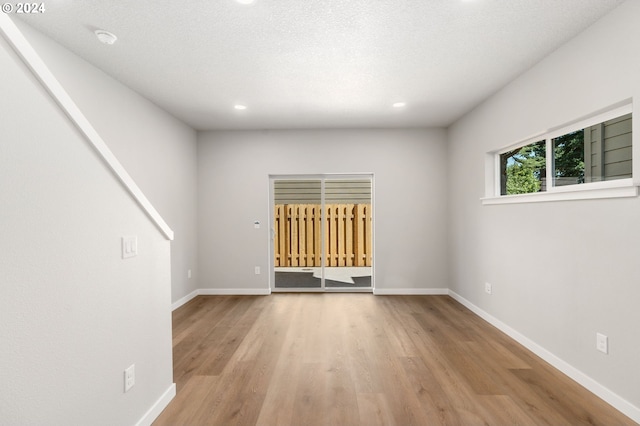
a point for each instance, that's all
(245, 1)
(399, 104)
(240, 107)
(106, 37)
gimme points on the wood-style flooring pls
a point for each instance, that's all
(360, 359)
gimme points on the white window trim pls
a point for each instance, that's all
(619, 188)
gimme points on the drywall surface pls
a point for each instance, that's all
(410, 199)
(561, 271)
(156, 149)
(73, 313)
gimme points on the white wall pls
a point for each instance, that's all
(410, 199)
(156, 149)
(561, 271)
(73, 314)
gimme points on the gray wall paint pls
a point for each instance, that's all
(561, 271)
(73, 314)
(157, 150)
(410, 199)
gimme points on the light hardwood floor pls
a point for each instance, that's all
(359, 359)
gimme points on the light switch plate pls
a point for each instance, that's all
(129, 246)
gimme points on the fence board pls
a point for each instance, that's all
(308, 230)
(302, 232)
(348, 230)
(276, 236)
(340, 249)
(317, 243)
(367, 235)
(359, 235)
(293, 252)
(283, 245)
(347, 235)
(332, 241)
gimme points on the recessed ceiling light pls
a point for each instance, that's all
(240, 107)
(245, 1)
(399, 104)
(106, 37)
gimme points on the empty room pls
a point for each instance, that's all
(323, 212)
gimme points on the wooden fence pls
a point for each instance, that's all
(347, 234)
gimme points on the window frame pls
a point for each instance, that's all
(617, 188)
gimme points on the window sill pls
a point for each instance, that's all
(621, 190)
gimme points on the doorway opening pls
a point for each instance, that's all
(322, 232)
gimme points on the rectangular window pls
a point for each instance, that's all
(575, 157)
(593, 154)
(523, 170)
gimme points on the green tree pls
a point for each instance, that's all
(523, 169)
(521, 179)
(569, 156)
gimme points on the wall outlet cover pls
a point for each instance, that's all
(129, 377)
(602, 343)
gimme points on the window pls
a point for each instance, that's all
(584, 156)
(596, 153)
(523, 170)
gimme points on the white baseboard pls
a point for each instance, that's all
(234, 291)
(175, 305)
(596, 388)
(267, 291)
(153, 413)
(410, 291)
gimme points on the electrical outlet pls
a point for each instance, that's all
(129, 377)
(487, 288)
(257, 270)
(602, 343)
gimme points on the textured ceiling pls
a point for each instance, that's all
(317, 63)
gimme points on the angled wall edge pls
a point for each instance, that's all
(39, 69)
